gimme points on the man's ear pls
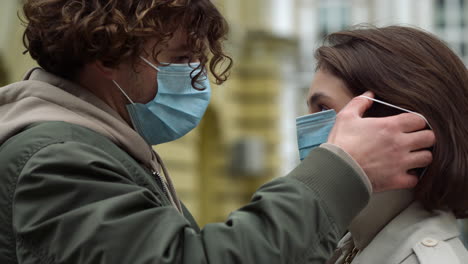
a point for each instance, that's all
(105, 71)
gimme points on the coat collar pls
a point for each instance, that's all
(382, 208)
(404, 231)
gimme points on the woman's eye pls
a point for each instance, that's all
(323, 108)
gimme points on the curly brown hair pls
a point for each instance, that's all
(64, 35)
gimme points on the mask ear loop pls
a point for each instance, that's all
(150, 64)
(404, 110)
(116, 84)
(399, 108)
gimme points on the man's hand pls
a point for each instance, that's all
(386, 148)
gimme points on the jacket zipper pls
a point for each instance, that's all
(160, 181)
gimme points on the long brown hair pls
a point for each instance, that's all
(414, 70)
(64, 35)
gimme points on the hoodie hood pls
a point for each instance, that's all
(42, 97)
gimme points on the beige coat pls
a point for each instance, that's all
(395, 230)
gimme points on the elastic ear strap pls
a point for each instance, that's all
(399, 108)
(116, 84)
(149, 63)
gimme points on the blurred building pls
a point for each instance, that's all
(248, 134)
(11, 42)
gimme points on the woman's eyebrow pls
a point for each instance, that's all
(316, 97)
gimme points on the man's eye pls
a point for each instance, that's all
(181, 59)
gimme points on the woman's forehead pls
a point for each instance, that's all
(328, 84)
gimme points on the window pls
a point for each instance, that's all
(451, 23)
(334, 15)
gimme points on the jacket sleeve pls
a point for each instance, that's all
(74, 203)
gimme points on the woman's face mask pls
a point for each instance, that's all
(313, 129)
(177, 107)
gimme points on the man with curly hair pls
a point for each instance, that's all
(80, 183)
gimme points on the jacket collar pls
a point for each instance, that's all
(382, 208)
(404, 231)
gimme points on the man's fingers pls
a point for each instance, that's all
(359, 105)
(406, 181)
(401, 181)
(409, 122)
(418, 159)
(387, 148)
(420, 140)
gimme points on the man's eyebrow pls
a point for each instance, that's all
(314, 98)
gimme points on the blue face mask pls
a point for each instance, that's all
(177, 107)
(313, 129)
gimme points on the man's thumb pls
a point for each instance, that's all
(360, 104)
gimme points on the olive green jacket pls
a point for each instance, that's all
(70, 194)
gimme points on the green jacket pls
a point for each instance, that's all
(70, 195)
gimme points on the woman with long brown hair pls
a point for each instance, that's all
(412, 70)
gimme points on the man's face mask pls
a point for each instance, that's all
(177, 107)
(313, 129)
